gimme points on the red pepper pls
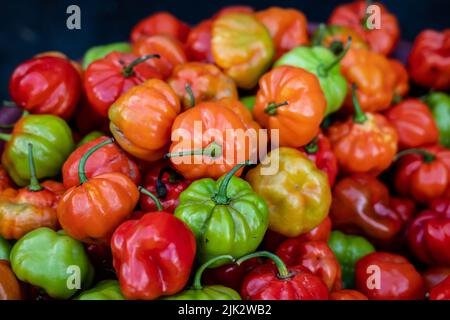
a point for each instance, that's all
(347, 294)
(316, 256)
(46, 85)
(435, 275)
(320, 152)
(429, 234)
(275, 281)
(429, 59)
(5, 180)
(387, 276)
(108, 78)
(441, 291)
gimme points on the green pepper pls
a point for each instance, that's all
(213, 292)
(439, 104)
(99, 52)
(5, 248)
(226, 216)
(249, 102)
(348, 249)
(90, 136)
(325, 65)
(104, 290)
(52, 142)
(52, 261)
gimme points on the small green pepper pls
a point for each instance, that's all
(213, 292)
(5, 248)
(99, 52)
(348, 249)
(104, 290)
(52, 142)
(249, 102)
(439, 104)
(90, 136)
(226, 216)
(52, 261)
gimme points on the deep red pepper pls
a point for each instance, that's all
(435, 275)
(441, 291)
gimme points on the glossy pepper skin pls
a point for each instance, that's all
(45, 258)
(423, 174)
(104, 290)
(387, 276)
(52, 143)
(428, 60)
(346, 294)
(316, 256)
(166, 184)
(334, 38)
(283, 103)
(348, 249)
(9, 285)
(429, 236)
(141, 119)
(287, 27)
(325, 65)
(353, 15)
(160, 23)
(435, 275)
(207, 83)
(439, 103)
(170, 50)
(92, 210)
(108, 78)
(414, 123)
(153, 256)
(242, 47)
(298, 194)
(110, 158)
(362, 205)
(226, 216)
(320, 152)
(47, 84)
(99, 52)
(441, 291)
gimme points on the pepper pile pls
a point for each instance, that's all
(102, 198)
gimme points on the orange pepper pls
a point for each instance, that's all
(290, 100)
(142, 118)
(9, 285)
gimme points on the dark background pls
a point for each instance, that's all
(32, 26)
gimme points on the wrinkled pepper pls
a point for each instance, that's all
(334, 38)
(441, 291)
(99, 52)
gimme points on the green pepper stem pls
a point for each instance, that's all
(81, 165)
(336, 47)
(323, 70)
(128, 70)
(191, 95)
(151, 195)
(283, 272)
(212, 150)
(359, 117)
(34, 182)
(198, 275)
(320, 35)
(271, 108)
(5, 136)
(312, 147)
(427, 156)
(221, 196)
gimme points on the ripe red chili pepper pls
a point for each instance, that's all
(347, 294)
(441, 291)
(429, 234)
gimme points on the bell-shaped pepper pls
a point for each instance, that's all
(242, 47)
(46, 85)
(91, 211)
(428, 61)
(153, 256)
(212, 292)
(142, 118)
(104, 290)
(347, 294)
(428, 234)
(9, 285)
(316, 256)
(297, 194)
(109, 158)
(423, 174)
(414, 123)
(325, 65)
(29, 208)
(276, 281)
(52, 261)
(441, 291)
(348, 249)
(364, 143)
(334, 38)
(226, 216)
(5, 248)
(387, 276)
(99, 52)
(52, 143)
(439, 103)
(291, 102)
